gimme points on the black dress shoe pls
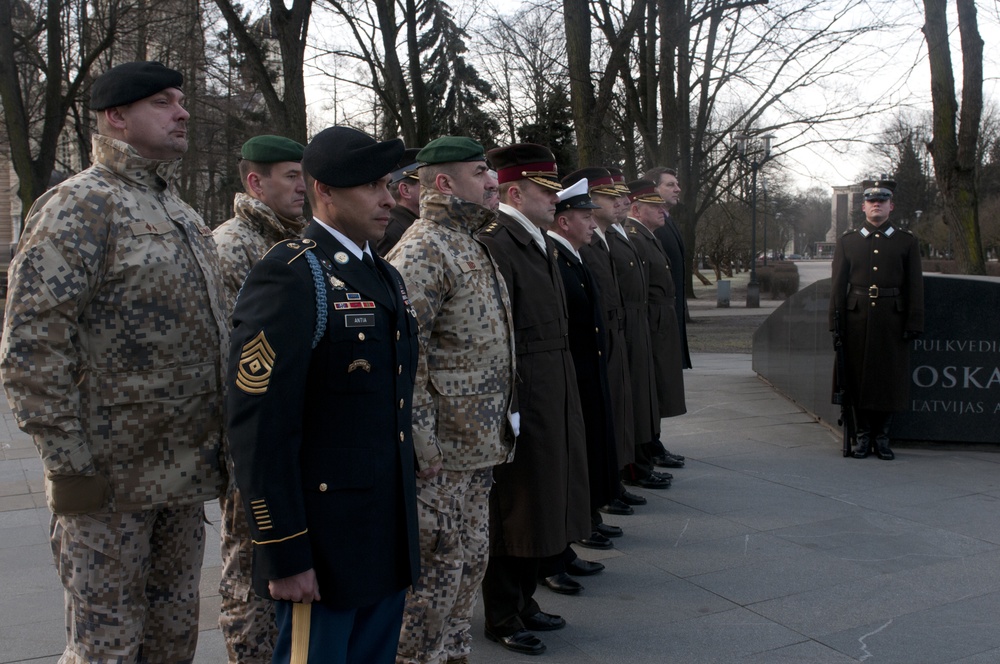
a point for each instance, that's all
(650, 482)
(596, 541)
(616, 506)
(521, 641)
(667, 461)
(544, 622)
(608, 531)
(883, 452)
(581, 567)
(630, 498)
(679, 457)
(562, 584)
(661, 474)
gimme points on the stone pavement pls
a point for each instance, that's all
(769, 547)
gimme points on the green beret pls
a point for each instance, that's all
(270, 149)
(130, 82)
(448, 149)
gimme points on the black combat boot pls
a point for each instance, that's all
(863, 435)
(882, 450)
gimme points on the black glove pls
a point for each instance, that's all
(78, 494)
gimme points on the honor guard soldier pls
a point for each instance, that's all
(670, 236)
(322, 365)
(646, 216)
(597, 257)
(404, 185)
(268, 211)
(573, 229)
(462, 396)
(539, 502)
(878, 292)
(114, 338)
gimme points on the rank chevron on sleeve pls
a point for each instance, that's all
(256, 363)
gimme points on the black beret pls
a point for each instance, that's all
(448, 149)
(131, 82)
(269, 149)
(345, 157)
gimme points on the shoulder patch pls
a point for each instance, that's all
(849, 231)
(289, 250)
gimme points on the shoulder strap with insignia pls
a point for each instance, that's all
(297, 247)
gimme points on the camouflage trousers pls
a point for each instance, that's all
(131, 582)
(453, 513)
(246, 620)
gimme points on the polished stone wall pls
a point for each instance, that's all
(955, 365)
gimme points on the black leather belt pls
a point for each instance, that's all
(875, 292)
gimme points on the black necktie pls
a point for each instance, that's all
(367, 259)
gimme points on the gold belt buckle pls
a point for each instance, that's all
(873, 292)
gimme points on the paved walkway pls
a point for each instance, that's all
(770, 547)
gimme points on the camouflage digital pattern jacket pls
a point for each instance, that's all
(246, 237)
(463, 387)
(114, 330)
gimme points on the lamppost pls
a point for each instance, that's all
(753, 288)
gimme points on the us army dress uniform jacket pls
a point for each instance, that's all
(464, 385)
(539, 501)
(598, 260)
(634, 282)
(246, 237)
(664, 332)
(114, 331)
(878, 286)
(588, 346)
(319, 420)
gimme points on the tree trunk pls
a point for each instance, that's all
(576, 14)
(954, 153)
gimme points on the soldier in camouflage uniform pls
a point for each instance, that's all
(114, 330)
(461, 395)
(268, 212)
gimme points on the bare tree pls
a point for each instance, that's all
(46, 55)
(523, 55)
(704, 70)
(955, 141)
(279, 76)
(434, 89)
(591, 99)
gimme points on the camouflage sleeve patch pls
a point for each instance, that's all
(256, 364)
